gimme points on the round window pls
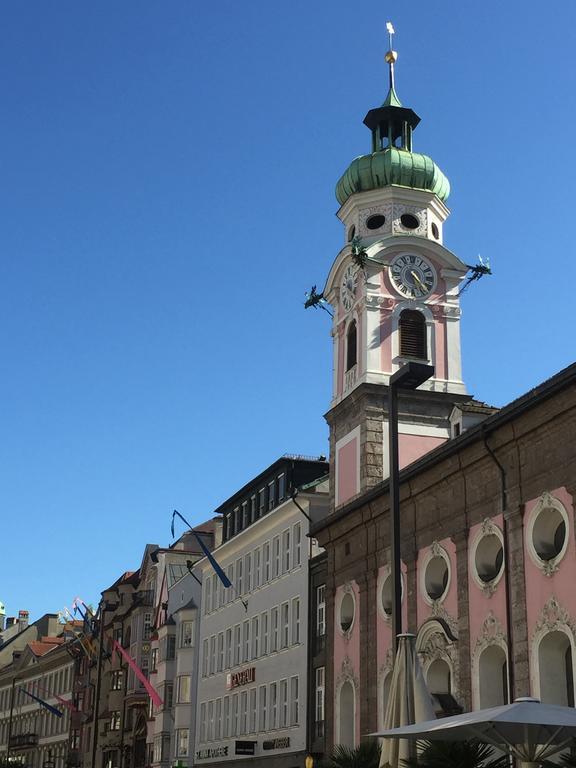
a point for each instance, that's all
(436, 577)
(409, 221)
(549, 533)
(376, 221)
(346, 612)
(435, 231)
(387, 596)
(351, 233)
(489, 558)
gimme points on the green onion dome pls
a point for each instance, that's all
(392, 166)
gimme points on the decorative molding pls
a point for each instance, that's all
(439, 612)
(491, 633)
(420, 213)
(553, 617)
(347, 675)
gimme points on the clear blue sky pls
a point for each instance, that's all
(167, 196)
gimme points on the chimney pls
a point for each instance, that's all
(23, 619)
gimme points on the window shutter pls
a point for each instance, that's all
(413, 334)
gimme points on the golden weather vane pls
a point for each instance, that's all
(391, 55)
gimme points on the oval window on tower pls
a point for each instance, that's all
(409, 221)
(376, 221)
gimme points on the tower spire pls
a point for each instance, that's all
(391, 55)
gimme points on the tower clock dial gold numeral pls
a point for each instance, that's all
(412, 276)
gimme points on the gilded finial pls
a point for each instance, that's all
(391, 55)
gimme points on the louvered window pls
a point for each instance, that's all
(412, 334)
(351, 346)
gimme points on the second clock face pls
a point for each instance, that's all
(412, 276)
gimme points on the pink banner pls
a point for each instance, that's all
(59, 699)
(139, 674)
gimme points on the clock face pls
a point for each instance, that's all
(348, 287)
(412, 276)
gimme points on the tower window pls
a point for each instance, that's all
(351, 346)
(409, 221)
(376, 221)
(412, 328)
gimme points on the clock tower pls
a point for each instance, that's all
(394, 291)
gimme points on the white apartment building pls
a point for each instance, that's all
(252, 688)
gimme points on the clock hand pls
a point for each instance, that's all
(417, 280)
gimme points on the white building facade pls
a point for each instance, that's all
(252, 688)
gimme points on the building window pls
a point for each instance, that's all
(220, 657)
(286, 551)
(351, 346)
(321, 610)
(186, 634)
(412, 329)
(210, 728)
(255, 637)
(248, 572)
(235, 714)
(239, 579)
(244, 713)
(168, 695)
(213, 654)
(272, 494)
(238, 519)
(226, 717)
(207, 596)
(147, 626)
(275, 629)
(203, 722)
(281, 487)
(273, 705)
(237, 644)
(319, 701)
(294, 703)
(276, 557)
(184, 689)
(182, 742)
(285, 625)
(154, 659)
(297, 546)
(228, 648)
(230, 590)
(115, 720)
(263, 708)
(295, 620)
(253, 509)
(252, 721)
(264, 625)
(261, 502)
(266, 561)
(246, 640)
(116, 684)
(170, 647)
(117, 635)
(283, 703)
(205, 658)
(214, 592)
(245, 514)
(257, 554)
(218, 720)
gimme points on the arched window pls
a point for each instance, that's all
(493, 677)
(351, 346)
(346, 735)
(438, 677)
(556, 670)
(412, 327)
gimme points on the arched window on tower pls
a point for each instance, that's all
(351, 345)
(412, 328)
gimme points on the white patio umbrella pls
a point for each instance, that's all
(530, 730)
(409, 702)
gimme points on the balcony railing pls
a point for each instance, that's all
(144, 597)
(350, 378)
(23, 740)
